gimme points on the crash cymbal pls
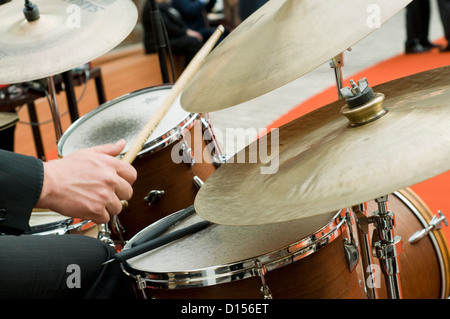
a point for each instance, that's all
(325, 164)
(66, 35)
(280, 42)
(8, 119)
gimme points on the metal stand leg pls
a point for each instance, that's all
(383, 245)
(337, 63)
(363, 222)
(54, 108)
(388, 247)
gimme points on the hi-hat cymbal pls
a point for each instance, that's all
(67, 35)
(8, 119)
(280, 42)
(325, 165)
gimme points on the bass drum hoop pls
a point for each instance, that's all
(423, 213)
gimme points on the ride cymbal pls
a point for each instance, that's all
(67, 34)
(323, 163)
(281, 41)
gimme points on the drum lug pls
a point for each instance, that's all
(435, 223)
(218, 157)
(187, 153)
(118, 228)
(351, 246)
(141, 285)
(104, 235)
(198, 182)
(261, 271)
(153, 196)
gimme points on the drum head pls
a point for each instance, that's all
(122, 118)
(226, 245)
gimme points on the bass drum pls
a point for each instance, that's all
(424, 265)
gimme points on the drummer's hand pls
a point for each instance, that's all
(88, 183)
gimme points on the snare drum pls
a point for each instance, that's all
(300, 259)
(181, 147)
(44, 222)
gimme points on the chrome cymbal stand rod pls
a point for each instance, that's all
(54, 107)
(337, 63)
(370, 275)
(387, 247)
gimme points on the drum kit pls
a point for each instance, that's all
(336, 219)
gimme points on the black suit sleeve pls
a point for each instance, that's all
(21, 179)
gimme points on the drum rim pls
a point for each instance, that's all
(437, 239)
(245, 268)
(170, 136)
(49, 228)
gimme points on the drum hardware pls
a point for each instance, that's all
(198, 182)
(387, 247)
(363, 105)
(261, 271)
(215, 147)
(351, 245)
(54, 108)
(337, 63)
(104, 235)
(141, 285)
(363, 221)
(162, 44)
(118, 228)
(31, 11)
(186, 152)
(153, 197)
(435, 223)
(157, 242)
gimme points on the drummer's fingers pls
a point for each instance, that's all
(112, 149)
(123, 190)
(113, 207)
(126, 171)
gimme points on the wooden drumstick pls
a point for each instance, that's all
(177, 88)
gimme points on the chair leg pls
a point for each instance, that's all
(100, 88)
(36, 131)
(70, 94)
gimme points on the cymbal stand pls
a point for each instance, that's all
(161, 45)
(337, 63)
(363, 222)
(31, 13)
(387, 247)
(54, 107)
